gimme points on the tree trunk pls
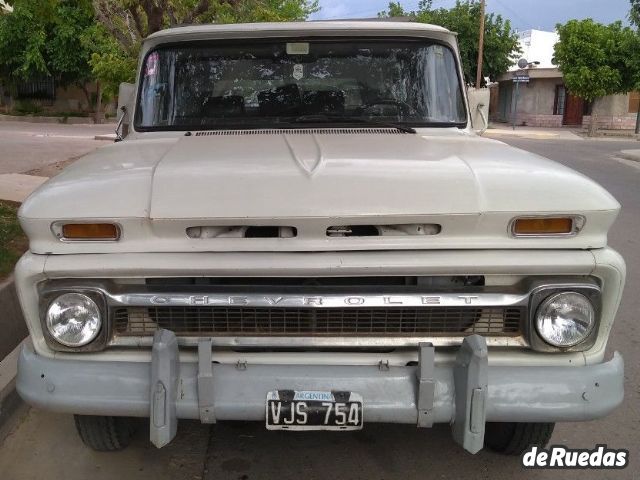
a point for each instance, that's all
(13, 94)
(593, 126)
(83, 86)
(154, 19)
(99, 116)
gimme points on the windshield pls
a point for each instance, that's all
(282, 84)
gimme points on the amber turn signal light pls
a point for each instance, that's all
(90, 231)
(544, 226)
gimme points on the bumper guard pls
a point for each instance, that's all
(466, 394)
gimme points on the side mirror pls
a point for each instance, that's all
(479, 108)
(125, 109)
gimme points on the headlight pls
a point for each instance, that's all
(73, 319)
(565, 319)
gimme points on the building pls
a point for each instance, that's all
(545, 102)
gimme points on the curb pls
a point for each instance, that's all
(14, 334)
(110, 137)
(42, 119)
(12, 324)
(634, 157)
(57, 120)
(8, 371)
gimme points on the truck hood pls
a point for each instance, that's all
(325, 175)
(314, 179)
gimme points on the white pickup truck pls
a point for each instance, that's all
(300, 227)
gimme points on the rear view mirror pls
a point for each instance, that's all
(479, 108)
(125, 109)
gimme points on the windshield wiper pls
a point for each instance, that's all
(347, 119)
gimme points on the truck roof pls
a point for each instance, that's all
(299, 29)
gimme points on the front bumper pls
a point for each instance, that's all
(467, 393)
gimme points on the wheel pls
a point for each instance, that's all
(105, 434)
(515, 438)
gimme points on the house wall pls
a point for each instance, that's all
(70, 99)
(535, 103)
(612, 113)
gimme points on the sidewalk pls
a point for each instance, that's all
(16, 187)
(32, 152)
(538, 133)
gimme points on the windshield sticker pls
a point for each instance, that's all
(152, 64)
(298, 71)
(301, 48)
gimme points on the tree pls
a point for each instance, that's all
(395, 10)
(129, 21)
(598, 60)
(634, 13)
(44, 39)
(501, 48)
(110, 64)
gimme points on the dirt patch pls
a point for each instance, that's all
(53, 169)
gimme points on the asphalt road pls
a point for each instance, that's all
(30, 146)
(44, 445)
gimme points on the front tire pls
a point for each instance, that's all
(105, 434)
(515, 438)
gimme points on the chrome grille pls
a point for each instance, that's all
(245, 321)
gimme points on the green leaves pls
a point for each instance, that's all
(41, 38)
(222, 11)
(501, 48)
(110, 64)
(634, 13)
(598, 60)
(112, 69)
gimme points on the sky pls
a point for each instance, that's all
(524, 14)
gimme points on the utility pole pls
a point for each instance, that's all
(638, 118)
(480, 46)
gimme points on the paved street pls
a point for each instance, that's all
(30, 146)
(44, 445)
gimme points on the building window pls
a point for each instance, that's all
(634, 102)
(560, 100)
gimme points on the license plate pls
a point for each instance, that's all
(309, 410)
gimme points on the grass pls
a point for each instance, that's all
(13, 242)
